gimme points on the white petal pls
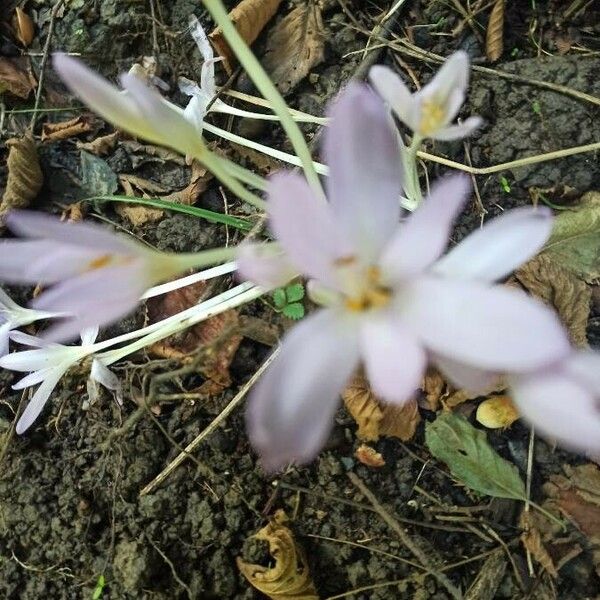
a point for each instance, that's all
(457, 132)
(33, 378)
(291, 409)
(585, 368)
(499, 247)
(265, 265)
(463, 376)
(4, 338)
(394, 92)
(448, 86)
(102, 374)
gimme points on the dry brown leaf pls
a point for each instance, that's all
(375, 418)
(369, 456)
(494, 40)
(263, 163)
(101, 145)
(249, 18)
(51, 132)
(290, 578)
(544, 278)
(199, 181)
(16, 77)
(23, 27)
(497, 412)
(532, 541)
(25, 176)
(488, 578)
(295, 45)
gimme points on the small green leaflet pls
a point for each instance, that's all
(294, 292)
(99, 588)
(294, 311)
(466, 451)
(279, 298)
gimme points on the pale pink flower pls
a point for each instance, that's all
(562, 400)
(99, 276)
(390, 305)
(430, 111)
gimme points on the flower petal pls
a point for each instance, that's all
(499, 247)
(33, 378)
(424, 235)
(364, 183)
(4, 338)
(449, 85)
(394, 92)
(305, 227)
(394, 360)
(264, 265)
(560, 408)
(487, 327)
(464, 376)
(291, 409)
(34, 360)
(585, 367)
(457, 132)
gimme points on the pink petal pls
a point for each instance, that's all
(264, 265)
(394, 360)
(364, 183)
(457, 132)
(561, 409)
(585, 368)
(499, 247)
(487, 327)
(464, 376)
(424, 235)
(394, 92)
(290, 412)
(305, 227)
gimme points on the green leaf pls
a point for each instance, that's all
(294, 292)
(466, 451)
(202, 213)
(504, 184)
(279, 298)
(575, 239)
(99, 588)
(96, 175)
(293, 311)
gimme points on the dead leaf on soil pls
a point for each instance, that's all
(375, 418)
(531, 539)
(25, 177)
(199, 180)
(16, 77)
(369, 456)
(52, 132)
(575, 239)
(290, 578)
(295, 45)
(488, 579)
(249, 18)
(101, 145)
(559, 287)
(23, 27)
(263, 163)
(497, 412)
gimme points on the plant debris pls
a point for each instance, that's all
(16, 77)
(369, 456)
(52, 132)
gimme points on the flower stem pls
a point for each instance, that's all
(412, 187)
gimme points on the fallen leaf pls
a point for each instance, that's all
(369, 456)
(23, 27)
(97, 178)
(199, 180)
(290, 578)
(575, 239)
(532, 541)
(101, 145)
(16, 77)
(249, 18)
(559, 287)
(471, 459)
(51, 132)
(295, 45)
(262, 162)
(375, 418)
(25, 176)
(488, 578)
(497, 412)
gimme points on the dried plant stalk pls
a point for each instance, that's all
(249, 18)
(494, 43)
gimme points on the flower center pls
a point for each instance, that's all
(370, 294)
(106, 260)
(432, 117)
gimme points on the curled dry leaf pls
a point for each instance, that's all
(556, 285)
(25, 177)
(16, 77)
(101, 145)
(249, 18)
(375, 418)
(290, 578)
(494, 40)
(532, 541)
(369, 456)
(52, 132)
(23, 27)
(488, 578)
(295, 45)
(497, 412)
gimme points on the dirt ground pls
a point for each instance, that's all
(70, 503)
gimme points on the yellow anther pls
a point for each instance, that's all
(100, 262)
(432, 117)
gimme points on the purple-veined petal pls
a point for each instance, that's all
(420, 240)
(560, 408)
(465, 377)
(487, 327)
(264, 265)
(394, 360)
(499, 247)
(291, 409)
(305, 227)
(394, 92)
(457, 132)
(39, 399)
(103, 97)
(361, 149)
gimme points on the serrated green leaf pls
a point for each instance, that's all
(575, 239)
(279, 298)
(471, 459)
(293, 311)
(294, 292)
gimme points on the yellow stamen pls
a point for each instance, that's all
(100, 262)
(432, 117)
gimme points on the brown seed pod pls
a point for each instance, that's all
(494, 43)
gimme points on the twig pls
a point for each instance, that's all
(528, 492)
(404, 537)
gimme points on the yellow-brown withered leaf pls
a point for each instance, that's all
(497, 412)
(290, 578)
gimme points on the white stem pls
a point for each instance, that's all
(223, 107)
